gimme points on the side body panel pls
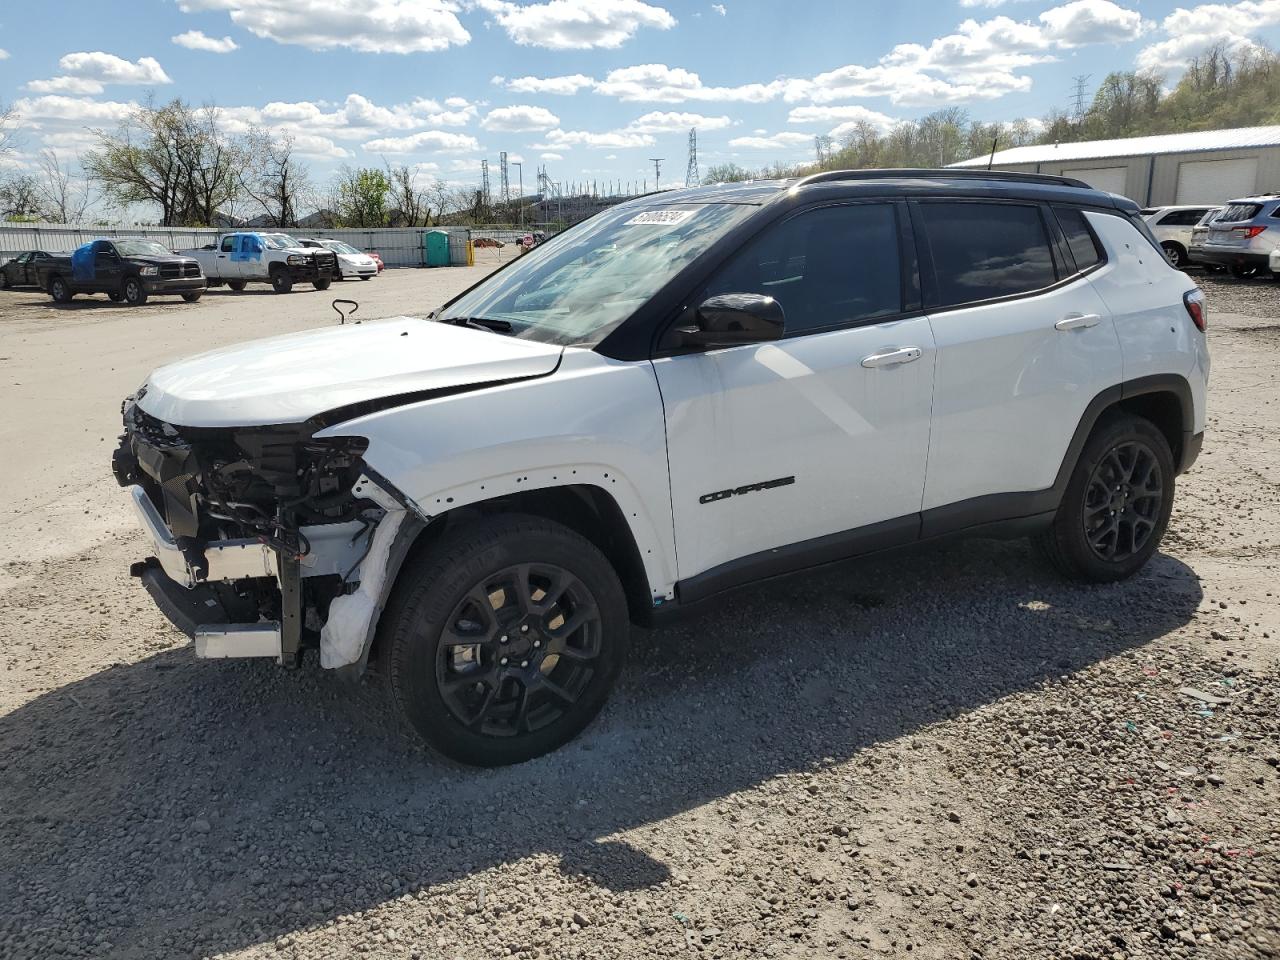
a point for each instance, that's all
(595, 421)
(846, 443)
(1011, 388)
(1145, 295)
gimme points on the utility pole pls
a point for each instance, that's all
(519, 165)
(1079, 97)
(484, 181)
(503, 182)
(657, 171)
(691, 176)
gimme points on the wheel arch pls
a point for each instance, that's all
(587, 509)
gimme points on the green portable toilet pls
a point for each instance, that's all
(435, 248)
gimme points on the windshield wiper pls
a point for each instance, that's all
(480, 323)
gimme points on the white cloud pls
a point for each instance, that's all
(1091, 21)
(658, 82)
(719, 8)
(561, 86)
(75, 109)
(779, 141)
(844, 115)
(4, 54)
(75, 85)
(1193, 31)
(609, 140)
(196, 40)
(108, 68)
(519, 118)
(550, 156)
(658, 122)
(576, 24)
(371, 26)
(437, 141)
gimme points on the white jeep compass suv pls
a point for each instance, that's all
(686, 393)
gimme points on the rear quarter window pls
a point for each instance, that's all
(1080, 239)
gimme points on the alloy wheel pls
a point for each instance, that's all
(519, 650)
(1122, 501)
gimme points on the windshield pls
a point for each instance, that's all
(579, 285)
(141, 248)
(279, 241)
(339, 247)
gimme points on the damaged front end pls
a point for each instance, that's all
(266, 540)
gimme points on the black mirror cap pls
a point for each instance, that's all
(731, 319)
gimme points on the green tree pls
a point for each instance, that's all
(361, 197)
(726, 173)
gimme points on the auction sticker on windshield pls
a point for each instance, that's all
(667, 218)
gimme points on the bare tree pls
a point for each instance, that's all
(64, 197)
(20, 198)
(8, 128)
(441, 197)
(274, 178)
(409, 205)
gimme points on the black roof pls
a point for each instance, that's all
(904, 183)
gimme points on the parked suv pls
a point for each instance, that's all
(687, 393)
(1172, 227)
(1199, 234)
(1243, 235)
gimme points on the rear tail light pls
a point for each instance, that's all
(1249, 232)
(1194, 301)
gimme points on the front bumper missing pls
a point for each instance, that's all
(224, 559)
(200, 612)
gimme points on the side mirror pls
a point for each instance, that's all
(732, 319)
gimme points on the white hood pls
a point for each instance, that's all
(356, 260)
(292, 378)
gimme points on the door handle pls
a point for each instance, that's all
(893, 358)
(1078, 321)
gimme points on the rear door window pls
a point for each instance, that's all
(1182, 218)
(982, 251)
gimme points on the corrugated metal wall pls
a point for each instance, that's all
(397, 247)
(1162, 170)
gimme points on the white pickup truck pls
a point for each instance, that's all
(275, 258)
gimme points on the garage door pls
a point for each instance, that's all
(1216, 181)
(1110, 179)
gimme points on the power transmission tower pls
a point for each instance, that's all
(503, 183)
(691, 175)
(1080, 96)
(484, 181)
(657, 170)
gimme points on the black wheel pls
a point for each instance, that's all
(366, 278)
(115, 296)
(281, 282)
(505, 639)
(193, 296)
(1174, 253)
(236, 285)
(322, 284)
(1242, 271)
(135, 294)
(1117, 504)
(4, 280)
(60, 290)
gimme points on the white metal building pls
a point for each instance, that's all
(1209, 166)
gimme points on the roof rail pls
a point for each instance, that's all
(951, 173)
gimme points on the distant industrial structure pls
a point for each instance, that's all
(1207, 166)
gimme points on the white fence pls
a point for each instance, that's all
(398, 247)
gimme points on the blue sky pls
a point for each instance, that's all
(591, 88)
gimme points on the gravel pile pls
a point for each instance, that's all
(942, 754)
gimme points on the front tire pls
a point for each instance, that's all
(1243, 271)
(281, 282)
(60, 290)
(135, 294)
(115, 296)
(505, 639)
(236, 285)
(321, 284)
(1117, 503)
(193, 296)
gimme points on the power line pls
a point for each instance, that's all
(657, 170)
(691, 176)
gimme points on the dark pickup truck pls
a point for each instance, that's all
(128, 269)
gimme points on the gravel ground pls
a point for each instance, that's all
(941, 754)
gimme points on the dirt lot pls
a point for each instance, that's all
(943, 754)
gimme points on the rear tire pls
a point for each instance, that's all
(1243, 271)
(321, 284)
(366, 278)
(281, 282)
(115, 296)
(236, 285)
(1174, 253)
(60, 290)
(135, 294)
(1117, 503)
(529, 609)
(4, 280)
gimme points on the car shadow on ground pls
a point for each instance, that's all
(172, 804)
